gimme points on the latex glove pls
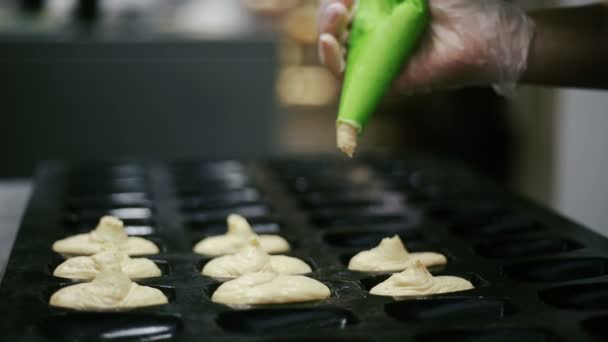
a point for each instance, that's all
(469, 43)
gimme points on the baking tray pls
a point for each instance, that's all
(538, 276)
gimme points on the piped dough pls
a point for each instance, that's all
(251, 259)
(270, 288)
(238, 236)
(88, 267)
(416, 280)
(110, 290)
(109, 234)
(392, 256)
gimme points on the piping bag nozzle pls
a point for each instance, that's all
(384, 35)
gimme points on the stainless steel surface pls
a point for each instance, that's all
(13, 199)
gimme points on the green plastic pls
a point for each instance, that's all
(384, 36)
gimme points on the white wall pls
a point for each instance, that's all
(581, 183)
(563, 152)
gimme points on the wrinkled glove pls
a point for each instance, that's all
(469, 43)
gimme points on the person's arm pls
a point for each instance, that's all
(479, 42)
(570, 48)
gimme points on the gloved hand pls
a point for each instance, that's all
(469, 43)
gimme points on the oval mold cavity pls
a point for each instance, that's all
(494, 335)
(337, 219)
(593, 296)
(525, 247)
(111, 326)
(493, 225)
(557, 269)
(265, 320)
(452, 309)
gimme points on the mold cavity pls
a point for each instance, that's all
(592, 296)
(464, 210)
(497, 335)
(106, 169)
(413, 239)
(557, 269)
(229, 200)
(596, 326)
(261, 225)
(476, 280)
(320, 200)
(465, 309)
(525, 247)
(132, 184)
(121, 213)
(219, 216)
(207, 167)
(110, 201)
(139, 230)
(491, 224)
(194, 187)
(340, 219)
(266, 320)
(111, 326)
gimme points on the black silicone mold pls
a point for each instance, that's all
(537, 276)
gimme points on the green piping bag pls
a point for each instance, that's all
(383, 37)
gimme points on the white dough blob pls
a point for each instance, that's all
(109, 234)
(238, 235)
(251, 259)
(416, 280)
(88, 267)
(392, 256)
(110, 290)
(270, 288)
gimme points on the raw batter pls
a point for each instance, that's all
(85, 267)
(270, 288)
(237, 237)
(252, 258)
(416, 280)
(109, 233)
(392, 256)
(110, 290)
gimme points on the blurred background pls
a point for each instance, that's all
(106, 79)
